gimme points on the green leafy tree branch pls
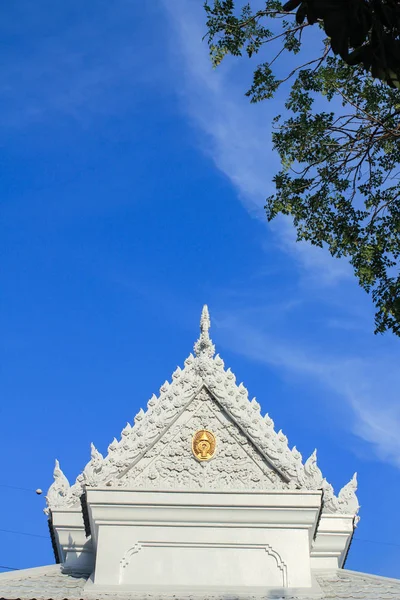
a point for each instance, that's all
(339, 137)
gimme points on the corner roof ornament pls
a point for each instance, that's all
(204, 348)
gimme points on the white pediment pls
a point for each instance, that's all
(170, 463)
(156, 453)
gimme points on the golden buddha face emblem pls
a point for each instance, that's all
(203, 444)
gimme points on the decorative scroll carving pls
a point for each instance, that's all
(313, 473)
(204, 371)
(170, 464)
(125, 560)
(347, 496)
(346, 502)
(59, 490)
(93, 467)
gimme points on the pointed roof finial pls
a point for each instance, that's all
(204, 346)
(205, 322)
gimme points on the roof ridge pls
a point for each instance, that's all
(31, 571)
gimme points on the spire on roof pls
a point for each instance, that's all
(204, 346)
(205, 322)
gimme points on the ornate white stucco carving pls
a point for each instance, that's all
(346, 502)
(59, 491)
(203, 371)
(170, 464)
(93, 467)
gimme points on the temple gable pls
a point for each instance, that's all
(201, 477)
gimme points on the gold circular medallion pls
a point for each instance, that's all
(203, 444)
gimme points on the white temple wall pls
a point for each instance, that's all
(73, 545)
(226, 540)
(199, 556)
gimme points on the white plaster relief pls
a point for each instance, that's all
(59, 491)
(346, 502)
(126, 559)
(170, 464)
(129, 554)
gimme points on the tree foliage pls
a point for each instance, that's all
(339, 136)
(362, 32)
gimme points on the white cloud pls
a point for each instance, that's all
(76, 63)
(316, 263)
(237, 134)
(367, 384)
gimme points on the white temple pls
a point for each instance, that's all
(200, 498)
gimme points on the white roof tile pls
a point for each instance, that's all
(51, 583)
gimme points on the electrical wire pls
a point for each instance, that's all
(25, 533)
(356, 539)
(14, 487)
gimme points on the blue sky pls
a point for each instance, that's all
(133, 178)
